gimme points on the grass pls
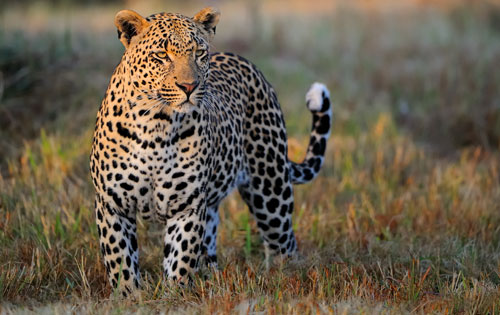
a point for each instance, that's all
(403, 218)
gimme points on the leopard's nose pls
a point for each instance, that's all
(188, 88)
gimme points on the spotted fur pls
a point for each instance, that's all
(177, 131)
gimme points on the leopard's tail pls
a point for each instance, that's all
(318, 102)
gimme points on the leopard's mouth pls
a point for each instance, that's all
(189, 102)
(182, 107)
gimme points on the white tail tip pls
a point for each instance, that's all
(314, 97)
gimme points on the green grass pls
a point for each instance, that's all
(404, 216)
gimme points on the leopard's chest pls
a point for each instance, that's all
(152, 173)
(171, 176)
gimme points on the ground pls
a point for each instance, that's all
(404, 216)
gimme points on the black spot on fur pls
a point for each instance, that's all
(143, 191)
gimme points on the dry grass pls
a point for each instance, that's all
(404, 217)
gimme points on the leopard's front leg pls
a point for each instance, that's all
(184, 234)
(118, 242)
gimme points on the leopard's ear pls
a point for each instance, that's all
(208, 18)
(129, 25)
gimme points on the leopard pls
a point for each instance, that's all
(179, 128)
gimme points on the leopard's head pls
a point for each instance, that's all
(167, 55)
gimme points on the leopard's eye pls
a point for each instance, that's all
(200, 52)
(161, 55)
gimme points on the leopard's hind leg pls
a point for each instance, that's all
(270, 201)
